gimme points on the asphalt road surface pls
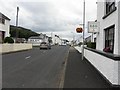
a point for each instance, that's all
(33, 68)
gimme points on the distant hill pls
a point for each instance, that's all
(22, 32)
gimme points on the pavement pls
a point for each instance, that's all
(81, 74)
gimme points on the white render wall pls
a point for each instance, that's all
(5, 27)
(119, 72)
(100, 13)
(119, 40)
(57, 40)
(112, 19)
(106, 66)
(6, 48)
(118, 28)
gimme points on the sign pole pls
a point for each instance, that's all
(83, 29)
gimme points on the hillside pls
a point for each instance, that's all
(22, 32)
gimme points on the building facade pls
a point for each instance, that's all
(57, 40)
(108, 14)
(106, 57)
(36, 40)
(4, 27)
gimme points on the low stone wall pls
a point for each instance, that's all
(78, 48)
(6, 48)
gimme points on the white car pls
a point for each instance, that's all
(45, 45)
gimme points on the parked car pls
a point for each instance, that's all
(45, 45)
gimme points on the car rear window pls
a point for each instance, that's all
(43, 43)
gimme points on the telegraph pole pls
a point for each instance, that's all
(17, 23)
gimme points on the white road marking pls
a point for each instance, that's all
(28, 57)
(44, 51)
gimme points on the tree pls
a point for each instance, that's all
(8, 40)
(22, 32)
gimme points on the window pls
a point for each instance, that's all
(110, 6)
(2, 35)
(109, 38)
(94, 39)
(2, 20)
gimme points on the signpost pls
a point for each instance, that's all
(79, 30)
(93, 27)
(17, 36)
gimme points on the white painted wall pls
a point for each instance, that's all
(14, 47)
(118, 28)
(5, 27)
(107, 67)
(57, 40)
(0, 67)
(79, 48)
(119, 73)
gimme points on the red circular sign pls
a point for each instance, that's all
(79, 30)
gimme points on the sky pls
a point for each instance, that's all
(56, 17)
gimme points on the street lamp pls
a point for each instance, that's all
(83, 28)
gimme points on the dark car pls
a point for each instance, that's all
(45, 45)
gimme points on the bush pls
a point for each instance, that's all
(91, 45)
(80, 43)
(8, 40)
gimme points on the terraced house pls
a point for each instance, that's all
(4, 26)
(106, 57)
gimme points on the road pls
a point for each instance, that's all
(33, 68)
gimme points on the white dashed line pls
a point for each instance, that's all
(28, 57)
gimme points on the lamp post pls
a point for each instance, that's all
(83, 29)
(80, 30)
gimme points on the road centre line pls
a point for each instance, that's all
(27, 57)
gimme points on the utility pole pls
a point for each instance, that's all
(17, 23)
(83, 29)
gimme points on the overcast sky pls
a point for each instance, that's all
(60, 17)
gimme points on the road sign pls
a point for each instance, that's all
(93, 26)
(79, 30)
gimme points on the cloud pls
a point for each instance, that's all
(50, 15)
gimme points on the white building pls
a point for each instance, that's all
(36, 40)
(108, 40)
(91, 38)
(57, 40)
(109, 17)
(4, 27)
